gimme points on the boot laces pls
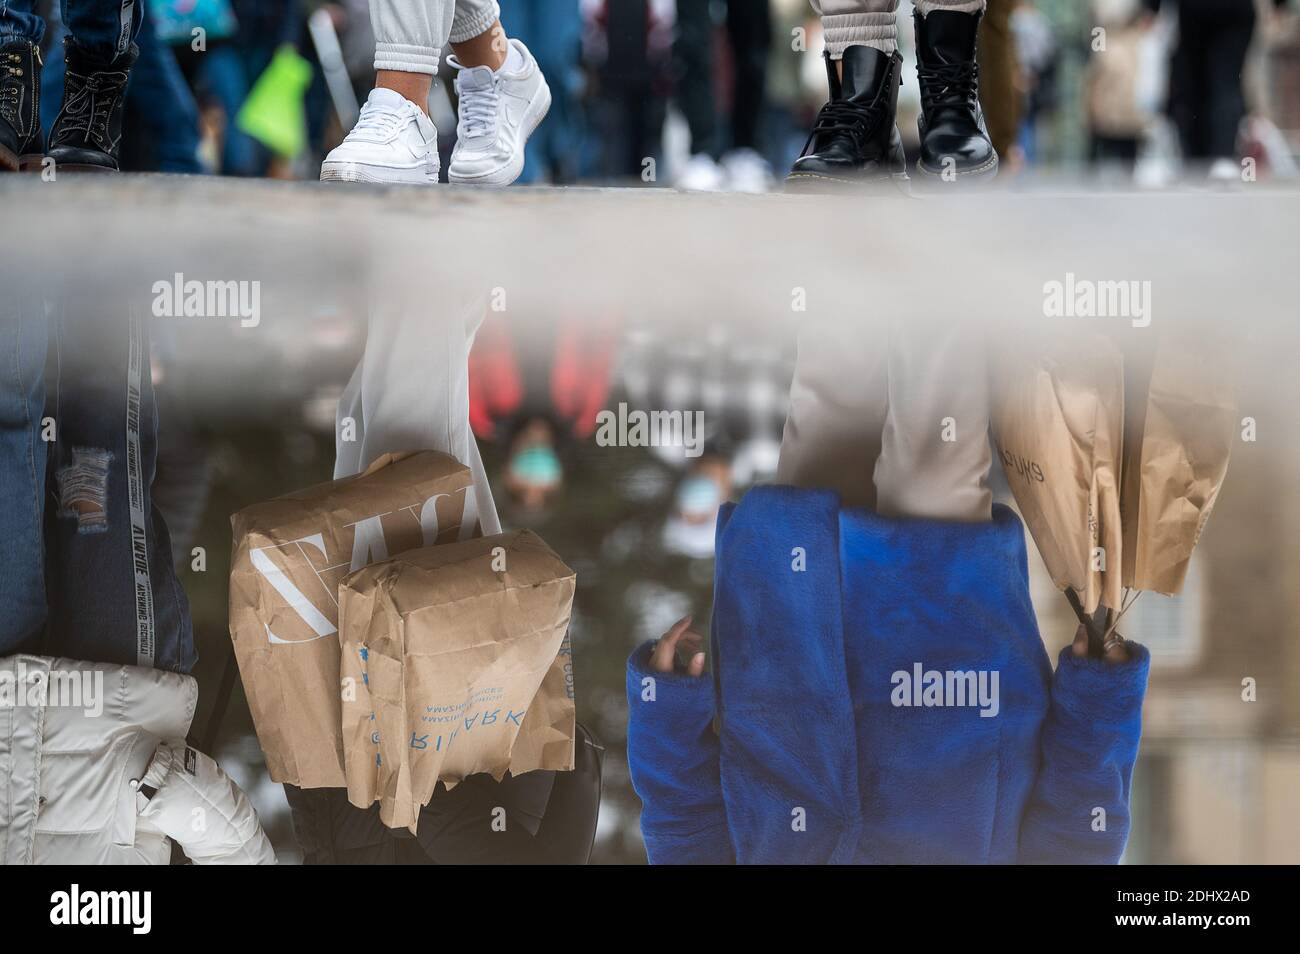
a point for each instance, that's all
(948, 84)
(843, 119)
(90, 104)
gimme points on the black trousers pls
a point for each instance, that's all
(749, 29)
(549, 818)
(1206, 102)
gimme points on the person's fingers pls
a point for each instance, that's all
(661, 659)
(1118, 652)
(690, 648)
(696, 665)
(690, 641)
(1080, 644)
(679, 627)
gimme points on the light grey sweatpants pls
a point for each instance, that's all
(896, 420)
(410, 34)
(873, 22)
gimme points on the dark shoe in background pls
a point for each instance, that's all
(87, 133)
(954, 141)
(21, 146)
(855, 139)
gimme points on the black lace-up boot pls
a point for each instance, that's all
(21, 146)
(954, 142)
(88, 131)
(855, 138)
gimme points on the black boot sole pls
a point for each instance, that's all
(979, 174)
(83, 167)
(807, 183)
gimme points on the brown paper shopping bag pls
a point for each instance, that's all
(290, 554)
(1058, 413)
(457, 655)
(1181, 421)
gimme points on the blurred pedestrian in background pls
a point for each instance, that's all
(999, 92)
(1117, 119)
(538, 409)
(1206, 102)
(552, 30)
(749, 30)
(242, 36)
(628, 47)
(1039, 80)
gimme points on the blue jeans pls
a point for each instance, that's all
(85, 557)
(104, 29)
(553, 34)
(161, 109)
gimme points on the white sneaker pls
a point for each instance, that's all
(701, 174)
(747, 171)
(1224, 172)
(498, 112)
(392, 142)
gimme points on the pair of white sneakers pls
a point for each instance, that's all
(394, 141)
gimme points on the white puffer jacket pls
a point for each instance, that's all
(94, 770)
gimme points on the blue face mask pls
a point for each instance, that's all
(537, 465)
(698, 495)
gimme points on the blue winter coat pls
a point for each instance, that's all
(802, 747)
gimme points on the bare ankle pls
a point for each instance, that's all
(490, 48)
(413, 86)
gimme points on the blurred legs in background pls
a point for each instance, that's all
(749, 31)
(999, 95)
(222, 75)
(552, 30)
(631, 77)
(161, 113)
(1205, 94)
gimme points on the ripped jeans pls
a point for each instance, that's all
(85, 561)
